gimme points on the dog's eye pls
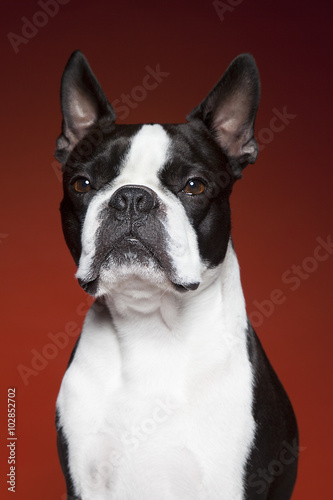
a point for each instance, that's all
(194, 186)
(82, 185)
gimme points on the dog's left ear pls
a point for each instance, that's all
(229, 112)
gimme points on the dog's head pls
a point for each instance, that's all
(151, 202)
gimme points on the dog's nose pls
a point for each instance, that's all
(133, 200)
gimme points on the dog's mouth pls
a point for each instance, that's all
(131, 249)
(131, 252)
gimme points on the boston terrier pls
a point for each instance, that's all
(168, 394)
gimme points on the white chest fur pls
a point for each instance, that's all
(161, 409)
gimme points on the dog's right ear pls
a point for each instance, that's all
(83, 104)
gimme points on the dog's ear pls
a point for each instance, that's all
(83, 104)
(229, 112)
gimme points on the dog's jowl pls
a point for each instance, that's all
(168, 394)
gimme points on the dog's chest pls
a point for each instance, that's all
(169, 420)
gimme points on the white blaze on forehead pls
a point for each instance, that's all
(146, 158)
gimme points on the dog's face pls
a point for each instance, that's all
(151, 202)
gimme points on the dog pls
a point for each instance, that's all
(168, 394)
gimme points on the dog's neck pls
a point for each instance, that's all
(194, 332)
(158, 312)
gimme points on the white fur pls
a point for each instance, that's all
(157, 401)
(146, 157)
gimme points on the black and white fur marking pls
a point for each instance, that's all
(168, 394)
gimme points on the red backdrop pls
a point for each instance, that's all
(281, 208)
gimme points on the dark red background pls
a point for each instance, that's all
(280, 208)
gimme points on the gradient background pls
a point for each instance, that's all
(279, 208)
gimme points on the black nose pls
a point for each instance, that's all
(133, 200)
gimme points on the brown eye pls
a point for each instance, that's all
(82, 185)
(194, 186)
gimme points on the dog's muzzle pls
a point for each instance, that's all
(132, 232)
